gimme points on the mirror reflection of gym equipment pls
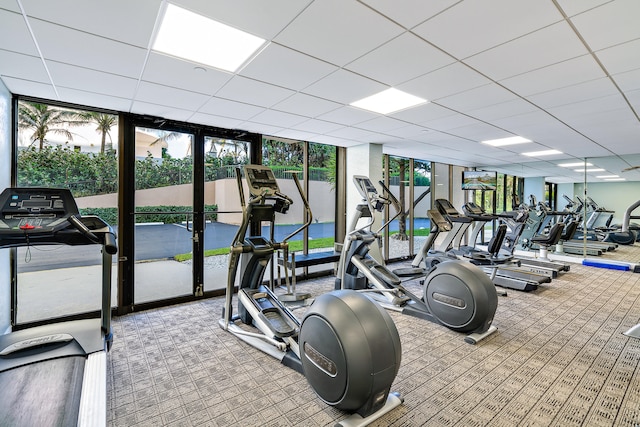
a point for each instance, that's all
(346, 346)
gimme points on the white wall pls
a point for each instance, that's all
(5, 180)
(615, 196)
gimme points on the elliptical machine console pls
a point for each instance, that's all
(456, 294)
(346, 346)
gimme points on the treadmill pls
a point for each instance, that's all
(55, 374)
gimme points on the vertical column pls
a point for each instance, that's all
(365, 160)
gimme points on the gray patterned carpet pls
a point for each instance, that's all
(559, 359)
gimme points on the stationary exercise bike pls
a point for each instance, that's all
(346, 346)
(456, 294)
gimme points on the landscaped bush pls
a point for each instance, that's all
(110, 215)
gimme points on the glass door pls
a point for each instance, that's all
(164, 212)
(222, 209)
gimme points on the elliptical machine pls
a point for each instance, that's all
(456, 294)
(346, 346)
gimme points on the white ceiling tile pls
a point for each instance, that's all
(261, 18)
(503, 21)
(14, 34)
(85, 50)
(92, 99)
(123, 20)
(281, 66)
(552, 91)
(449, 122)
(620, 58)
(87, 80)
(584, 112)
(213, 120)
(344, 87)
(253, 92)
(577, 93)
(230, 109)
(423, 113)
(169, 96)
(306, 105)
(390, 64)
(477, 98)
(278, 118)
(555, 76)
(634, 99)
(355, 134)
(524, 54)
(478, 132)
(169, 71)
(381, 124)
(572, 7)
(446, 81)
(318, 126)
(24, 67)
(30, 88)
(11, 5)
(347, 116)
(337, 31)
(610, 24)
(164, 111)
(502, 110)
(629, 82)
(412, 12)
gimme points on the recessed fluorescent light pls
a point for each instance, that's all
(541, 153)
(607, 176)
(388, 101)
(506, 141)
(196, 38)
(573, 165)
(615, 179)
(590, 170)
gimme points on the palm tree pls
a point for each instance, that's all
(104, 124)
(43, 119)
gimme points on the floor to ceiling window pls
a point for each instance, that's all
(75, 149)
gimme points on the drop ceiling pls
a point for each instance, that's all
(562, 73)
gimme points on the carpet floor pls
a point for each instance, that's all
(559, 358)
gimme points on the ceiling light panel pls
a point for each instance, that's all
(196, 38)
(512, 140)
(574, 164)
(541, 153)
(388, 101)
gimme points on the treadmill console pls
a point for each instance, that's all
(35, 210)
(261, 180)
(440, 221)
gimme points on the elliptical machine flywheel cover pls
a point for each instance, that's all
(350, 351)
(460, 296)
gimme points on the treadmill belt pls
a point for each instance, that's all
(42, 394)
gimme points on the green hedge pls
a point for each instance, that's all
(110, 215)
